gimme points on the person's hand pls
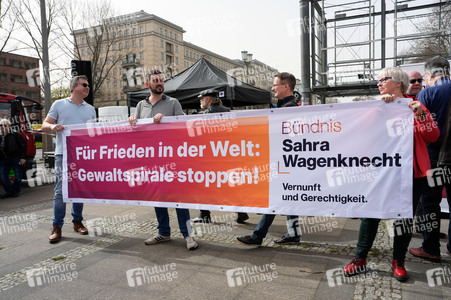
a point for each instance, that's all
(57, 127)
(157, 118)
(22, 161)
(388, 98)
(132, 120)
(416, 107)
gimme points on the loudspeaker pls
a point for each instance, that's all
(83, 67)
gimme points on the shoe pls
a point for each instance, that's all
(15, 195)
(419, 252)
(157, 239)
(399, 270)
(288, 240)
(202, 218)
(191, 244)
(242, 217)
(80, 228)
(356, 266)
(55, 234)
(248, 240)
(441, 234)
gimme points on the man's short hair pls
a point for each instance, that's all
(286, 77)
(153, 72)
(5, 121)
(437, 66)
(75, 79)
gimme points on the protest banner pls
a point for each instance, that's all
(344, 160)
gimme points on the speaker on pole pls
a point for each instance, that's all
(83, 67)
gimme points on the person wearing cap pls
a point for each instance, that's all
(283, 87)
(209, 100)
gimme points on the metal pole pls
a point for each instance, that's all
(305, 52)
(383, 34)
(47, 140)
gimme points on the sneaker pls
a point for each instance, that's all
(288, 240)
(191, 244)
(248, 240)
(419, 252)
(242, 217)
(157, 239)
(399, 270)
(202, 218)
(355, 267)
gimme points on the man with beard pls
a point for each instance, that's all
(157, 106)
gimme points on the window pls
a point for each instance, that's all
(141, 55)
(122, 84)
(115, 84)
(120, 45)
(162, 44)
(134, 30)
(162, 56)
(176, 48)
(127, 32)
(82, 52)
(83, 40)
(141, 43)
(127, 44)
(134, 43)
(3, 77)
(161, 30)
(170, 34)
(176, 60)
(108, 85)
(141, 29)
(109, 97)
(175, 36)
(165, 32)
(113, 47)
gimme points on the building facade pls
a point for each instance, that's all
(140, 42)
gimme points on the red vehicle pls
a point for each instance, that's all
(16, 109)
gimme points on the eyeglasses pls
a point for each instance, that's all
(383, 80)
(412, 81)
(4, 125)
(84, 84)
(274, 85)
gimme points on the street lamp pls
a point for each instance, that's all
(247, 59)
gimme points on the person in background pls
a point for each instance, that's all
(209, 100)
(71, 110)
(393, 83)
(435, 97)
(13, 154)
(416, 83)
(283, 87)
(156, 106)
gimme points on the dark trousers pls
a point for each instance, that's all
(403, 229)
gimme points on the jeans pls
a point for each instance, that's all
(5, 167)
(430, 203)
(265, 222)
(59, 207)
(163, 220)
(403, 229)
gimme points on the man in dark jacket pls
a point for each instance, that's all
(209, 100)
(283, 87)
(13, 154)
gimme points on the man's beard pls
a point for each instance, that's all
(157, 91)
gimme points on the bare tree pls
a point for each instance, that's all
(7, 23)
(95, 35)
(438, 41)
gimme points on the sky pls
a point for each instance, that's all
(267, 29)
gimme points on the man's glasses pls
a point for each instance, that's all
(84, 84)
(383, 80)
(412, 81)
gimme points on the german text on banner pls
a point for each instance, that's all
(344, 160)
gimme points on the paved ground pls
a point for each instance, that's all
(114, 263)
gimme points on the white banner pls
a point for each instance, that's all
(342, 160)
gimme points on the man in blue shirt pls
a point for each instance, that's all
(436, 98)
(72, 110)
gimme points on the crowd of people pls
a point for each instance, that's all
(432, 123)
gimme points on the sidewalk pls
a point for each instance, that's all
(114, 263)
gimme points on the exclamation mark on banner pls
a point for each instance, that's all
(255, 175)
